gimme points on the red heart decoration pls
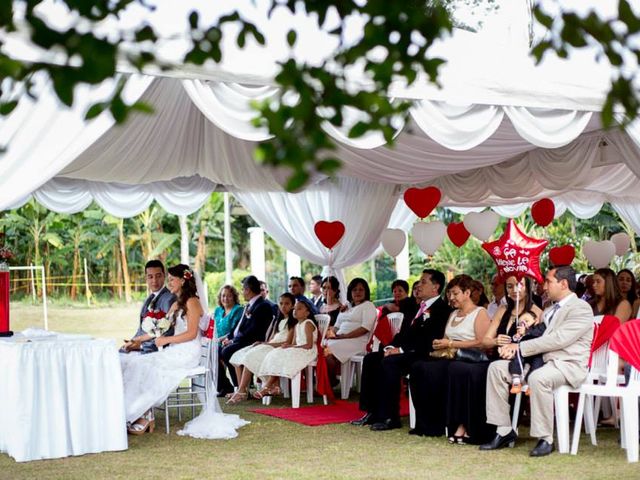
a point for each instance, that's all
(562, 255)
(458, 234)
(543, 211)
(329, 233)
(422, 201)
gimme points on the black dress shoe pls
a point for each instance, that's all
(388, 424)
(419, 433)
(366, 419)
(542, 449)
(500, 442)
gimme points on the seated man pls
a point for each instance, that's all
(256, 318)
(564, 345)
(383, 371)
(296, 288)
(160, 299)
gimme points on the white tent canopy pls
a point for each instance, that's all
(500, 133)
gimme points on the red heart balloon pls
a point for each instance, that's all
(458, 234)
(543, 211)
(329, 233)
(562, 255)
(422, 201)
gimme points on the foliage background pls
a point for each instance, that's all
(117, 249)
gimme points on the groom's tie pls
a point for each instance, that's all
(146, 304)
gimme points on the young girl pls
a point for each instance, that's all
(288, 360)
(251, 357)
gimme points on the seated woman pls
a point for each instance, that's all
(607, 298)
(149, 379)
(228, 312)
(383, 331)
(249, 359)
(289, 359)
(628, 288)
(504, 327)
(331, 298)
(350, 334)
(478, 297)
(449, 392)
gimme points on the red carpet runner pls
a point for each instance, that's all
(339, 412)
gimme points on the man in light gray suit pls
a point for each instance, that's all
(564, 346)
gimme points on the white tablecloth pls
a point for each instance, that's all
(60, 396)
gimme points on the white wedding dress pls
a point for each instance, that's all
(149, 379)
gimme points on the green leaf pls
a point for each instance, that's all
(194, 18)
(291, 37)
(7, 107)
(296, 181)
(94, 110)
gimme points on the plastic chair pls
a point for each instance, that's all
(627, 334)
(348, 368)
(323, 321)
(195, 394)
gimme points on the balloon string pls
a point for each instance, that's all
(517, 322)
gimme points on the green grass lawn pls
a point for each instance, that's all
(271, 449)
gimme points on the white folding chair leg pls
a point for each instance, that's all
(630, 422)
(358, 367)
(561, 400)
(166, 415)
(295, 390)
(516, 412)
(284, 386)
(309, 384)
(577, 424)
(412, 412)
(345, 381)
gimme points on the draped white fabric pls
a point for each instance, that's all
(41, 138)
(364, 208)
(180, 196)
(60, 396)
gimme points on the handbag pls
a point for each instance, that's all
(446, 353)
(471, 355)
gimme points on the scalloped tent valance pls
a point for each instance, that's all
(526, 144)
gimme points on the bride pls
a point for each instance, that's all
(149, 379)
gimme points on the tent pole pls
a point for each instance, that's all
(184, 240)
(228, 264)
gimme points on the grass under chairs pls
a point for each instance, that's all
(270, 448)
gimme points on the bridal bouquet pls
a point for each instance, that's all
(156, 323)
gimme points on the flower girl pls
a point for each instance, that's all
(251, 357)
(288, 360)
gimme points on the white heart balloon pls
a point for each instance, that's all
(393, 240)
(622, 242)
(481, 225)
(599, 254)
(429, 236)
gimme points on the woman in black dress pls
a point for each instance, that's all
(446, 393)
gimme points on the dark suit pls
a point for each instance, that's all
(252, 328)
(380, 392)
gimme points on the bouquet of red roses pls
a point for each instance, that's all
(156, 323)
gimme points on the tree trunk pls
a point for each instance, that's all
(117, 278)
(76, 266)
(123, 260)
(201, 250)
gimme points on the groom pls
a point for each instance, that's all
(159, 299)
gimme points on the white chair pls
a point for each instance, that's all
(323, 321)
(395, 321)
(629, 396)
(195, 393)
(348, 368)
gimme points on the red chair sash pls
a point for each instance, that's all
(602, 333)
(322, 374)
(626, 342)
